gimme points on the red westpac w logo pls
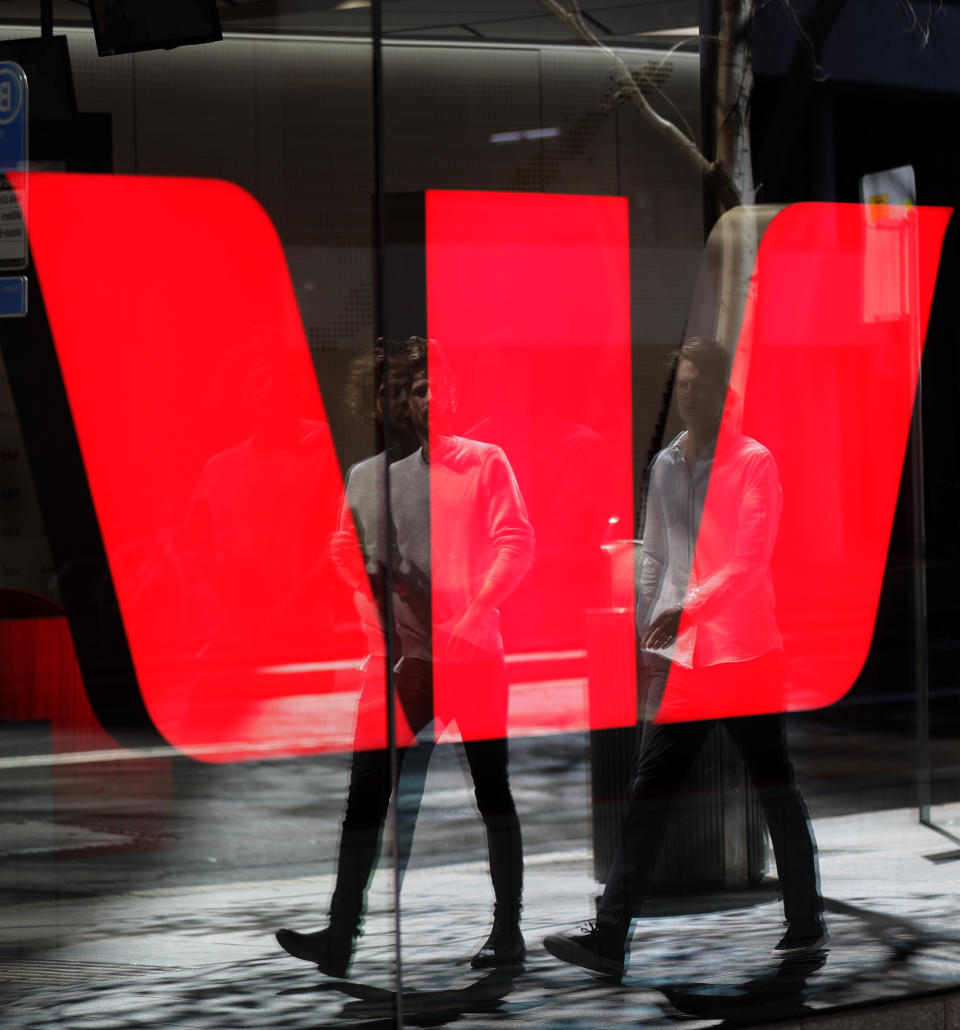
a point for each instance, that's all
(216, 485)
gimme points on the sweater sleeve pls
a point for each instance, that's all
(510, 529)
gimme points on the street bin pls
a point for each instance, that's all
(716, 838)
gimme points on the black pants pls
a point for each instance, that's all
(666, 753)
(371, 787)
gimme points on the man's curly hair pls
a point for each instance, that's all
(443, 384)
(366, 377)
(404, 361)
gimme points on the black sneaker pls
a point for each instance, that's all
(600, 949)
(801, 939)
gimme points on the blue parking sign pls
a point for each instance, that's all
(13, 296)
(13, 117)
(13, 158)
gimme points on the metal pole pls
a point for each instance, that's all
(921, 646)
(376, 29)
(921, 663)
(46, 18)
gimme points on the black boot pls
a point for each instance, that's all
(505, 945)
(331, 949)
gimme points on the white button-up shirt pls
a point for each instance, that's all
(707, 541)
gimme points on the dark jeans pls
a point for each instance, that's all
(667, 750)
(370, 790)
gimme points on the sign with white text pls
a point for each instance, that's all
(13, 158)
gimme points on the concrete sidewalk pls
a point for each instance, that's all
(204, 957)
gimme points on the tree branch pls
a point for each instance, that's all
(715, 174)
(923, 26)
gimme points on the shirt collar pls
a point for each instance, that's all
(675, 449)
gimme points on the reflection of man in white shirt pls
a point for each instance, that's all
(707, 628)
(715, 572)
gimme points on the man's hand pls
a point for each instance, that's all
(343, 553)
(663, 630)
(341, 547)
(460, 642)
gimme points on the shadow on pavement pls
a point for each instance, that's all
(773, 995)
(376, 1007)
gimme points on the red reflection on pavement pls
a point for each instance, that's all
(827, 363)
(528, 298)
(42, 684)
(209, 458)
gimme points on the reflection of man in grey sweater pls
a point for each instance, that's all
(461, 544)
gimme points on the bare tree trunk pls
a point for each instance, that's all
(734, 88)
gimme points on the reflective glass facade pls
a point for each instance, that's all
(477, 499)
